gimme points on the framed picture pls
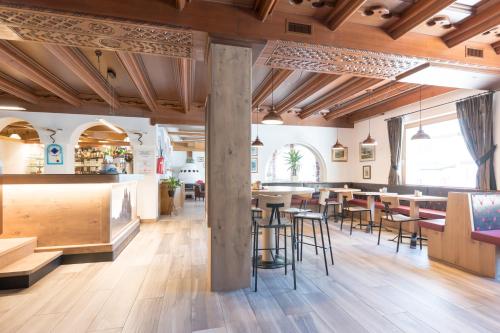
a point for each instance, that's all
(367, 172)
(339, 155)
(366, 153)
(254, 151)
(254, 165)
(54, 154)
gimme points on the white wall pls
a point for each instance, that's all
(381, 165)
(320, 139)
(70, 126)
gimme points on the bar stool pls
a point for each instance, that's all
(391, 217)
(321, 218)
(278, 224)
(348, 208)
(324, 197)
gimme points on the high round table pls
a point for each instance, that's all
(267, 260)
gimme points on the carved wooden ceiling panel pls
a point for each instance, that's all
(327, 59)
(84, 31)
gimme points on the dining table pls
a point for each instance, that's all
(371, 198)
(267, 259)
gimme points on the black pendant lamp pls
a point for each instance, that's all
(272, 117)
(257, 142)
(369, 141)
(420, 135)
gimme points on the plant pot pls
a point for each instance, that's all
(171, 192)
(295, 178)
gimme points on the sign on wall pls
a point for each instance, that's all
(144, 160)
(55, 154)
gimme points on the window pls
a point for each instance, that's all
(441, 161)
(277, 168)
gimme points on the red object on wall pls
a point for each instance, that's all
(160, 165)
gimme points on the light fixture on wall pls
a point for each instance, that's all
(338, 145)
(110, 126)
(272, 117)
(420, 135)
(369, 141)
(257, 142)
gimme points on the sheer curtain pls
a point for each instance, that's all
(475, 116)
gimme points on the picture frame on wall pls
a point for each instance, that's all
(339, 155)
(254, 165)
(254, 151)
(366, 153)
(367, 172)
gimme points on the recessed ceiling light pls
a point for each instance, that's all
(12, 108)
(15, 136)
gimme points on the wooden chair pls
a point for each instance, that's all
(390, 216)
(199, 192)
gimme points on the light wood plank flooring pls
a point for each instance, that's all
(158, 284)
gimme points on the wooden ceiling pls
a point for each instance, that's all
(335, 61)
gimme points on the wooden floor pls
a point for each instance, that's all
(158, 284)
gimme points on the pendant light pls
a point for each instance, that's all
(257, 142)
(338, 145)
(369, 141)
(420, 135)
(272, 117)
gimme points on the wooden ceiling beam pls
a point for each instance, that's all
(137, 71)
(19, 61)
(343, 10)
(311, 86)
(11, 86)
(338, 95)
(272, 81)
(183, 75)
(474, 25)
(264, 8)
(78, 63)
(496, 47)
(378, 95)
(407, 98)
(414, 15)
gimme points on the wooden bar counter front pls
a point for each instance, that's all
(88, 217)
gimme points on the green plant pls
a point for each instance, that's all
(293, 161)
(172, 182)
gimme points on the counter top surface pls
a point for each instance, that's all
(67, 179)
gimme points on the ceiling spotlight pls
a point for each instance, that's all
(295, 2)
(15, 136)
(12, 108)
(381, 11)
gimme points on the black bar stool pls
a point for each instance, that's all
(321, 218)
(391, 217)
(278, 224)
(351, 209)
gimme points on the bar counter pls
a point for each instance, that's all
(88, 217)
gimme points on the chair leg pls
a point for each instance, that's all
(399, 237)
(293, 261)
(286, 258)
(371, 222)
(277, 241)
(341, 218)
(352, 222)
(329, 240)
(420, 235)
(323, 246)
(379, 230)
(256, 256)
(301, 238)
(255, 238)
(314, 234)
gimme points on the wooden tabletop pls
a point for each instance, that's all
(375, 194)
(412, 197)
(342, 189)
(67, 179)
(284, 189)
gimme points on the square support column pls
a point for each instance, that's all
(228, 166)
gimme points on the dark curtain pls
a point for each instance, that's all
(395, 131)
(475, 116)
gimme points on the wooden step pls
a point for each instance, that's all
(26, 271)
(14, 249)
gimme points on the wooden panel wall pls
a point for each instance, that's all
(228, 166)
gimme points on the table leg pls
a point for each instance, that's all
(371, 206)
(414, 212)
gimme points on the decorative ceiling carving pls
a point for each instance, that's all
(85, 31)
(328, 59)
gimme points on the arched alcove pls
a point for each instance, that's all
(312, 165)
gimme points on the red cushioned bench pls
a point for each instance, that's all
(424, 213)
(358, 202)
(436, 224)
(490, 236)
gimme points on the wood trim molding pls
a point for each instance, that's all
(496, 47)
(338, 95)
(311, 86)
(264, 8)
(15, 88)
(409, 97)
(19, 61)
(378, 95)
(265, 88)
(414, 15)
(180, 4)
(137, 71)
(474, 25)
(343, 10)
(183, 76)
(78, 63)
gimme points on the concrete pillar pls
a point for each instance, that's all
(228, 166)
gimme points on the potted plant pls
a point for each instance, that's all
(293, 161)
(172, 184)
